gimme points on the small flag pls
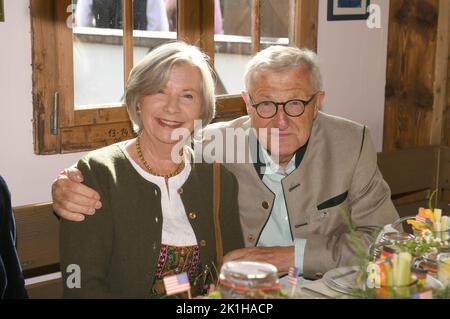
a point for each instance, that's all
(293, 275)
(420, 219)
(176, 284)
(424, 295)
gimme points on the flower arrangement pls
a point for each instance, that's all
(430, 224)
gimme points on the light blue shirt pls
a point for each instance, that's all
(277, 231)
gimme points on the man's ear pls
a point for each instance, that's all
(246, 99)
(318, 102)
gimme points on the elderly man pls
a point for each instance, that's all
(298, 199)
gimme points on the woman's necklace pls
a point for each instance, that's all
(177, 171)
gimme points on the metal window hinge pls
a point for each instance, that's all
(54, 116)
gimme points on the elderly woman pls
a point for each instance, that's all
(157, 213)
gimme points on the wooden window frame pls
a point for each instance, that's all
(76, 130)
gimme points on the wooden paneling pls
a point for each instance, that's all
(441, 68)
(416, 110)
(410, 73)
(37, 235)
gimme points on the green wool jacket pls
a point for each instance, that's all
(117, 249)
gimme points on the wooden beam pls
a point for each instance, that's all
(65, 74)
(88, 137)
(196, 24)
(303, 23)
(256, 26)
(207, 29)
(128, 47)
(189, 21)
(44, 69)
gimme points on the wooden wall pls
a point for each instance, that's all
(417, 107)
(446, 139)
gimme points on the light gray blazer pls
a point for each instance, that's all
(339, 170)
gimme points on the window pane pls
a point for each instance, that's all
(233, 46)
(98, 53)
(275, 18)
(152, 25)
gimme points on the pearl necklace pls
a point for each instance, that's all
(177, 171)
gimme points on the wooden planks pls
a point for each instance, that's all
(52, 289)
(415, 85)
(37, 235)
(441, 69)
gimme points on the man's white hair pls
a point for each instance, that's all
(277, 58)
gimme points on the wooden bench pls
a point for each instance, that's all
(412, 175)
(38, 249)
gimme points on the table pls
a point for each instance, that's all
(309, 289)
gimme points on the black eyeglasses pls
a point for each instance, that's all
(293, 108)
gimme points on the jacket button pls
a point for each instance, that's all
(251, 238)
(203, 243)
(318, 275)
(265, 205)
(180, 190)
(192, 215)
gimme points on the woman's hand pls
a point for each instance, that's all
(71, 199)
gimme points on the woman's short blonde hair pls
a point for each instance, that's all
(151, 74)
(277, 58)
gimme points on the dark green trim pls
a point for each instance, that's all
(335, 201)
(2, 12)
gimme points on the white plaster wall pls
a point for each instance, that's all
(353, 62)
(29, 176)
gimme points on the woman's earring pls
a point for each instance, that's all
(138, 108)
